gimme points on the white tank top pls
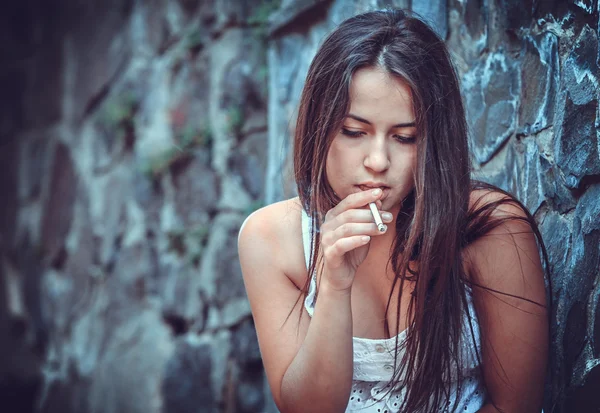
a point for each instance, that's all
(374, 361)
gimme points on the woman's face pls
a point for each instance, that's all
(377, 144)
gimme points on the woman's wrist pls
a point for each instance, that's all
(327, 288)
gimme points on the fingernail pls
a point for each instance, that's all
(387, 215)
(376, 191)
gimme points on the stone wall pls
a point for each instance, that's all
(134, 141)
(530, 73)
(133, 136)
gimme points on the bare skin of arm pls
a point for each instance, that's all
(514, 331)
(308, 365)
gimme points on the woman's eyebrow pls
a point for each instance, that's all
(362, 120)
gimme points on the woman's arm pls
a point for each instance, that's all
(514, 330)
(308, 366)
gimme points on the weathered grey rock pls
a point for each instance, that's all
(131, 368)
(434, 12)
(584, 398)
(250, 395)
(557, 235)
(58, 206)
(224, 52)
(181, 295)
(596, 336)
(158, 109)
(188, 109)
(289, 12)
(490, 91)
(12, 112)
(9, 187)
(576, 146)
(532, 184)
(186, 387)
(42, 102)
(503, 170)
(234, 197)
(539, 83)
(220, 272)
(585, 254)
(196, 192)
(249, 162)
(554, 187)
(515, 14)
(98, 49)
(581, 71)
(467, 32)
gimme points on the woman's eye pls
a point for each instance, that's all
(405, 139)
(352, 134)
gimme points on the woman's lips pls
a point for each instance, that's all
(385, 189)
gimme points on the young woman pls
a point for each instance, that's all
(445, 310)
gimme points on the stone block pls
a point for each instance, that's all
(585, 254)
(249, 161)
(9, 187)
(250, 396)
(59, 205)
(581, 71)
(588, 210)
(584, 399)
(516, 14)
(150, 197)
(575, 145)
(196, 192)
(574, 337)
(475, 18)
(12, 110)
(43, 97)
(179, 289)
(531, 187)
(186, 387)
(99, 48)
(556, 233)
(435, 13)
(539, 83)
(220, 273)
(37, 151)
(129, 373)
(596, 331)
(188, 107)
(290, 12)
(503, 170)
(554, 186)
(490, 91)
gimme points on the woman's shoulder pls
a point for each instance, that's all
(272, 235)
(500, 204)
(499, 226)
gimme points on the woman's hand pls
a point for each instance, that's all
(345, 237)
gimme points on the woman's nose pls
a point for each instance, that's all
(377, 157)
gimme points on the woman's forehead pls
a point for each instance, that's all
(376, 93)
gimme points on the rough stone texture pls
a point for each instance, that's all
(539, 77)
(192, 362)
(491, 90)
(530, 75)
(133, 144)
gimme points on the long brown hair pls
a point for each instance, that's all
(436, 222)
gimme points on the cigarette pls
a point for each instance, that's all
(377, 217)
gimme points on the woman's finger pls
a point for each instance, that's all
(354, 201)
(334, 254)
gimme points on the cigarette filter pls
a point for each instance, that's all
(377, 217)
